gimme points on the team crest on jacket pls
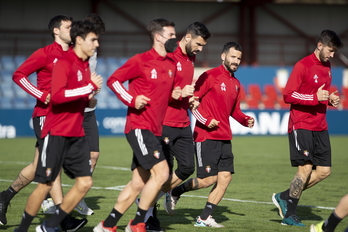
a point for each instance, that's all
(79, 75)
(207, 169)
(170, 73)
(48, 172)
(305, 152)
(153, 74)
(329, 72)
(179, 66)
(315, 78)
(223, 86)
(156, 154)
(166, 140)
(237, 88)
(55, 61)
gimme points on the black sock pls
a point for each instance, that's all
(331, 223)
(56, 218)
(113, 218)
(292, 205)
(285, 195)
(9, 194)
(139, 216)
(26, 221)
(208, 210)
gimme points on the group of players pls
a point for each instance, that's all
(160, 93)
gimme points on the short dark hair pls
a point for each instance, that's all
(198, 29)
(330, 38)
(156, 26)
(82, 28)
(56, 22)
(94, 18)
(229, 45)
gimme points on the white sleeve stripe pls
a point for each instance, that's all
(199, 117)
(79, 91)
(30, 87)
(306, 97)
(119, 89)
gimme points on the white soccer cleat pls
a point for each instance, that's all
(48, 206)
(100, 228)
(170, 202)
(209, 222)
(83, 209)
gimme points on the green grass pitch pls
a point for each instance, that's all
(262, 167)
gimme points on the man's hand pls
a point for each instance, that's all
(48, 98)
(193, 103)
(188, 90)
(323, 95)
(251, 122)
(92, 102)
(176, 93)
(141, 101)
(213, 123)
(97, 80)
(334, 99)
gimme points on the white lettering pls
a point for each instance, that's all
(115, 124)
(7, 131)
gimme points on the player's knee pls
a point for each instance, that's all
(208, 181)
(325, 174)
(94, 155)
(84, 183)
(184, 172)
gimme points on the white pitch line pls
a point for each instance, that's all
(119, 188)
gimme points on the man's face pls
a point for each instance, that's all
(64, 32)
(326, 52)
(168, 33)
(89, 44)
(231, 59)
(194, 45)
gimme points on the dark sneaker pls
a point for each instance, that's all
(281, 204)
(153, 224)
(44, 228)
(3, 209)
(71, 224)
(292, 220)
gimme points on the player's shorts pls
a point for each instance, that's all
(91, 130)
(214, 156)
(313, 146)
(38, 123)
(178, 142)
(147, 148)
(71, 153)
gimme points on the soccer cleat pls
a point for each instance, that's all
(153, 224)
(317, 227)
(140, 227)
(44, 228)
(170, 202)
(3, 209)
(209, 222)
(71, 224)
(83, 209)
(292, 220)
(100, 228)
(280, 203)
(48, 207)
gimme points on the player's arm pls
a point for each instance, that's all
(60, 91)
(239, 116)
(291, 93)
(34, 63)
(128, 71)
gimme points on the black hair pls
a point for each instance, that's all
(56, 22)
(156, 26)
(198, 29)
(330, 38)
(94, 18)
(229, 45)
(82, 29)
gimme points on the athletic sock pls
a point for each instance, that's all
(160, 195)
(56, 218)
(177, 191)
(113, 218)
(292, 205)
(208, 210)
(9, 194)
(149, 213)
(26, 221)
(285, 195)
(139, 216)
(331, 223)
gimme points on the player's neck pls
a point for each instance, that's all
(159, 48)
(182, 45)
